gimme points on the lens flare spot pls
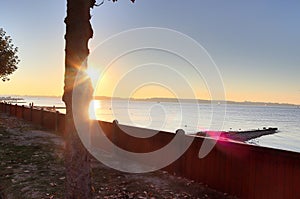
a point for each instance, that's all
(94, 74)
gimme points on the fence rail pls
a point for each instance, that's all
(243, 170)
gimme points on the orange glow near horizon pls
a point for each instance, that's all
(51, 84)
(152, 91)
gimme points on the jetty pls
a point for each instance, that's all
(241, 136)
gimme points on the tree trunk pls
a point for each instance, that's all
(78, 33)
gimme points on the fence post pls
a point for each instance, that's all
(22, 111)
(10, 109)
(31, 110)
(114, 134)
(56, 121)
(42, 117)
(177, 164)
(16, 110)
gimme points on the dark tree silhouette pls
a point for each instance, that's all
(78, 33)
(8, 56)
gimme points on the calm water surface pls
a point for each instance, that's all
(195, 117)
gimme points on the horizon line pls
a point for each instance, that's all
(166, 98)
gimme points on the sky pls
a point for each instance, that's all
(255, 46)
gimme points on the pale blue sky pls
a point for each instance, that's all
(255, 44)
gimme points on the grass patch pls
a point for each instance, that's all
(29, 171)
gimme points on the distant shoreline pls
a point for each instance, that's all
(174, 100)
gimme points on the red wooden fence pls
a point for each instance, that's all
(243, 170)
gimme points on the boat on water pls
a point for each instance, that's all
(240, 135)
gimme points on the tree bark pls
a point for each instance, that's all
(78, 33)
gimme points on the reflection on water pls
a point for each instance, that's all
(94, 106)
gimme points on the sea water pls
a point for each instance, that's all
(194, 117)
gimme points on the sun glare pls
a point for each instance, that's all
(94, 106)
(94, 74)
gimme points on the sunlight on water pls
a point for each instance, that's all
(95, 106)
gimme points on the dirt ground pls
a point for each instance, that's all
(32, 166)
